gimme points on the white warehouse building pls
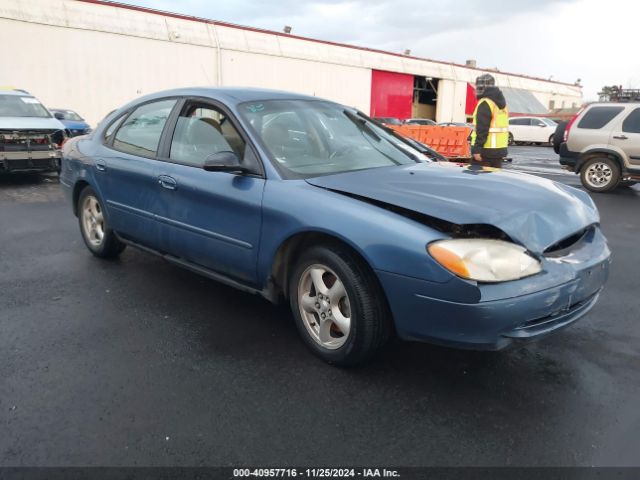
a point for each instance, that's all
(93, 56)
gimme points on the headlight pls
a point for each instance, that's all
(484, 260)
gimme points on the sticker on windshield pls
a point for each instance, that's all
(29, 100)
(255, 107)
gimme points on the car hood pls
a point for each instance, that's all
(532, 211)
(75, 124)
(30, 123)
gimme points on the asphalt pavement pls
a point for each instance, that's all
(138, 362)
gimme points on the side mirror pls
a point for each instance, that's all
(59, 116)
(224, 162)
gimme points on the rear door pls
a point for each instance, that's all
(126, 171)
(626, 135)
(519, 128)
(212, 219)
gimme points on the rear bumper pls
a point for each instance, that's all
(519, 311)
(37, 161)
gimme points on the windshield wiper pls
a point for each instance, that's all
(362, 125)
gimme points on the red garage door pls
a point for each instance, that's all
(391, 94)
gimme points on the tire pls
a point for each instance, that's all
(600, 174)
(551, 139)
(558, 136)
(97, 236)
(511, 141)
(343, 326)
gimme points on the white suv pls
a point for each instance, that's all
(531, 130)
(602, 144)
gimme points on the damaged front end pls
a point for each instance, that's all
(30, 150)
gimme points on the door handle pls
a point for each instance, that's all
(620, 137)
(101, 166)
(167, 182)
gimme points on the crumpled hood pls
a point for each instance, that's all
(30, 123)
(533, 211)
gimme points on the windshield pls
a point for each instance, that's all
(70, 115)
(21, 106)
(308, 138)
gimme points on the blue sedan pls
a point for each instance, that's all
(75, 124)
(307, 201)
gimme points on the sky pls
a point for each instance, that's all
(565, 40)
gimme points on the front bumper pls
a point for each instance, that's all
(505, 313)
(30, 161)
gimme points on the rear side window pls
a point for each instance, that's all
(520, 121)
(598, 117)
(108, 134)
(631, 124)
(140, 133)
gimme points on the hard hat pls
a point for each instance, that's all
(484, 81)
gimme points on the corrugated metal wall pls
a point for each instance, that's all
(93, 57)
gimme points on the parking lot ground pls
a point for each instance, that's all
(137, 362)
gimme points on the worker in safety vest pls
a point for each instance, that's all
(490, 136)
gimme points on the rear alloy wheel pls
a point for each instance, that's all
(511, 141)
(600, 174)
(339, 307)
(97, 235)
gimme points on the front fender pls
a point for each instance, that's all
(386, 240)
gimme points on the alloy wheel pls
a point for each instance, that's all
(324, 306)
(93, 221)
(599, 174)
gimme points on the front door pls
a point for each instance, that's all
(212, 219)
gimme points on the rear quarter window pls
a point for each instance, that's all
(598, 117)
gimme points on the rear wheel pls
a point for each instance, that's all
(600, 174)
(97, 236)
(551, 140)
(339, 307)
(511, 141)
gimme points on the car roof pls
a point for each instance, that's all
(230, 95)
(17, 93)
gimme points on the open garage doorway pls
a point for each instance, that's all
(425, 97)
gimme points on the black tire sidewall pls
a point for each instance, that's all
(359, 288)
(615, 181)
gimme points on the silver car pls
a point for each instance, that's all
(602, 144)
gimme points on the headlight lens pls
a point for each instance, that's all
(484, 260)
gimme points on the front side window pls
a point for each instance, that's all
(308, 138)
(598, 117)
(22, 106)
(111, 130)
(202, 131)
(140, 133)
(631, 124)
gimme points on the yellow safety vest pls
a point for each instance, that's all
(498, 130)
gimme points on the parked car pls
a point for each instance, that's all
(74, 123)
(456, 124)
(602, 144)
(389, 120)
(30, 137)
(293, 197)
(420, 121)
(531, 130)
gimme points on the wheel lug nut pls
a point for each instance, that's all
(317, 305)
(323, 315)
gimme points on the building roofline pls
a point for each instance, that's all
(114, 4)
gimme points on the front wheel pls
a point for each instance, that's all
(338, 305)
(600, 174)
(97, 236)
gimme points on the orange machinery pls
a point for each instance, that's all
(451, 142)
